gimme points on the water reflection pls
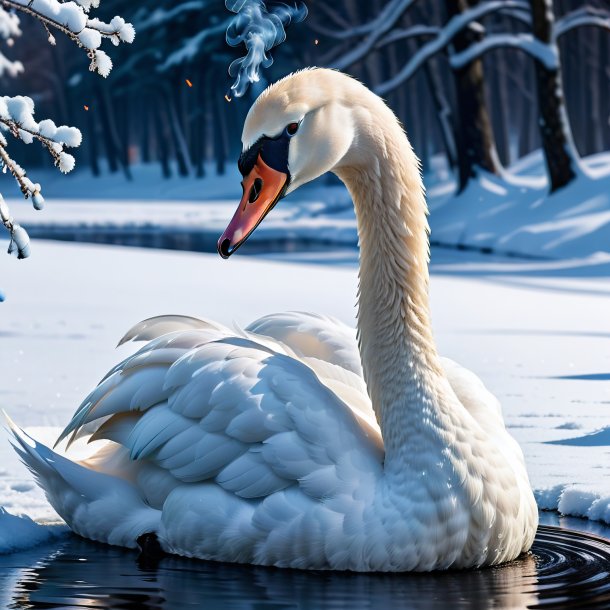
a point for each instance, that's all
(566, 569)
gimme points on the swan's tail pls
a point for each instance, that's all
(94, 504)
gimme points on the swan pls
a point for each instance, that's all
(298, 442)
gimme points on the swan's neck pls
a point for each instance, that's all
(402, 370)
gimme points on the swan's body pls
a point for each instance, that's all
(293, 443)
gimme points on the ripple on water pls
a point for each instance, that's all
(566, 569)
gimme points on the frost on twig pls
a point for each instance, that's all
(17, 118)
(73, 19)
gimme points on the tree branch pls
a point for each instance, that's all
(586, 16)
(407, 33)
(544, 53)
(85, 33)
(383, 23)
(446, 35)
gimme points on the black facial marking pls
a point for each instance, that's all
(273, 151)
(248, 158)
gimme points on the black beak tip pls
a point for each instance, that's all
(224, 248)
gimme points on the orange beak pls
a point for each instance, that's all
(263, 188)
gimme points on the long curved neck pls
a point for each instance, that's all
(401, 366)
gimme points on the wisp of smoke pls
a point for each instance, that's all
(259, 28)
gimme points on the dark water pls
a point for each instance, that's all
(566, 569)
(196, 240)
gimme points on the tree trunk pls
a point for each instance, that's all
(111, 153)
(162, 139)
(92, 144)
(220, 148)
(559, 151)
(145, 128)
(180, 146)
(475, 141)
(443, 111)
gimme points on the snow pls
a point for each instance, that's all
(91, 39)
(102, 63)
(20, 532)
(547, 55)
(379, 26)
(161, 17)
(444, 37)
(584, 16)
(513, 214)
(535, 331)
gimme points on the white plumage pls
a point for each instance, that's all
(294, 443)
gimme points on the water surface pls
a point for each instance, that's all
(566, 569)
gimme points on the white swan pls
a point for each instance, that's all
(263, 446)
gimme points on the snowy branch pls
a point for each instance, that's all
(544, 53)
(586, 16)
(384, 21)
(20, 241)
(17, 117)
(161, 17)
(406, 33)
(444, 38)
(376, 29)
(9, 27)
(521, 14)
(192, 46)
(17, 113)
(71, 19)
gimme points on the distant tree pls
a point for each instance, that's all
(474, 139)
(560, 153)
(559, 150)
(476, 147)
(17, 113)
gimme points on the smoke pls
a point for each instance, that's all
(259, 28)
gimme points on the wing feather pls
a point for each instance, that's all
(203, 405)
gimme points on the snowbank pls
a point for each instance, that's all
(515, 215)
(575, 501)
(20, 532)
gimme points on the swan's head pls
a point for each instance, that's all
(298, 129)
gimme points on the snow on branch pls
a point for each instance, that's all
(376, 29)
(546, 54)
(17, 113)
(587, 15)
(384, 21)
(17, 118)
(444, 38)
(519, 14)
(72, 19)
(192, 46)
(415, 31)
(9, 27)
(161, 17)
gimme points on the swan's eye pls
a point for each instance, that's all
(292, 128)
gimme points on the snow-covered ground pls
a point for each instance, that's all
(536, 332)
(515, 214)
